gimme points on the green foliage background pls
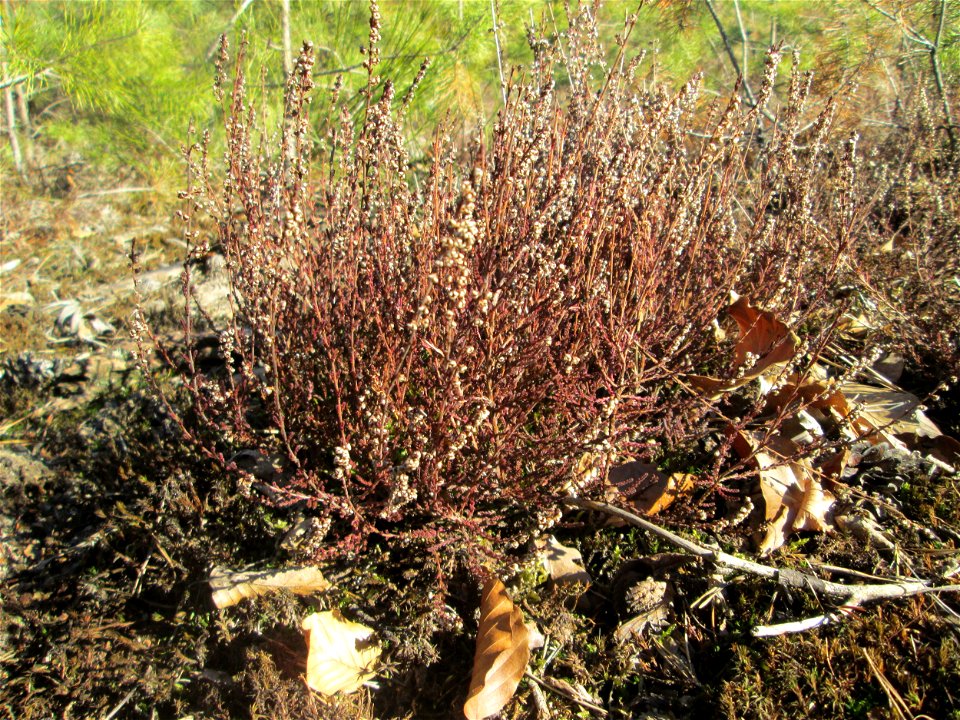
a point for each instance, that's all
(117, 82)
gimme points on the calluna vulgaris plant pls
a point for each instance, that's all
(909, 254)
(430, 356)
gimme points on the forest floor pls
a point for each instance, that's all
(109, 533)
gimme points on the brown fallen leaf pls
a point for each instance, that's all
(340, 657)
(503, 650)
(563, 564)
(814, 393)
(876, 414)
(713, 387)
(764, 346)
(857, 326)
(794, 499)
(890, 367)
(889, 412)
(831, 467)
(942, 449)
(648, 489)
(803, 427)
(229, 588)
(763, 338)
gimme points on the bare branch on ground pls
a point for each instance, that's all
(852, 596)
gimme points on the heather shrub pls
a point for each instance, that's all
(440, 356)
(909, 255)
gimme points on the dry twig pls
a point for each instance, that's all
(851, 596)
(562, 689)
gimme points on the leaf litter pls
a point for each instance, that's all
(764, 347)
(230, 588)
(502, 653)
(796, 497)
(794, 500)
(563, 564)
(341, 655)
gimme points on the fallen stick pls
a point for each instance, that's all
(852, 596)
(564, 690)
(793, 627)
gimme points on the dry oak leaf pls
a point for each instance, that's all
(876, 414)
(503, 650)
(894, 416)
(563, 564)
(645, 487)
(889, 412)
(340, 656)
(764, 346)
(793, 497)
(817, 394)
(229, 588)
(762, 336)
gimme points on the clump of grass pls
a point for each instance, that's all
(426, 357)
